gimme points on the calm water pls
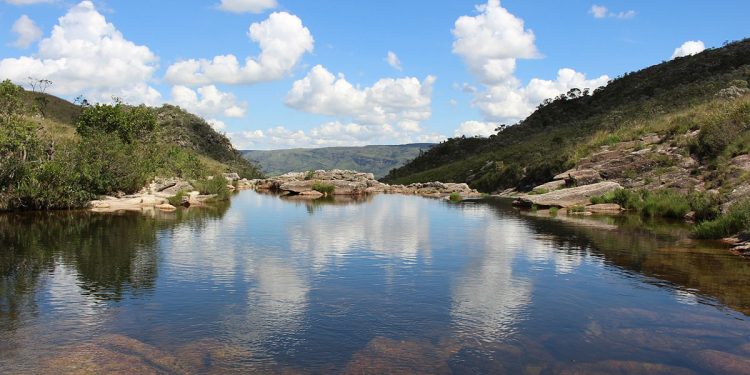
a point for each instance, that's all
(383, 285)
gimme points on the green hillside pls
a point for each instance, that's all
(373, 159)
(56, 154)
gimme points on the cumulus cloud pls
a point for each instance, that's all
(282, 39)
(689, 48)
(85, 54)
(28, 32)
(218, 125)
(476, 128)
(393, 60)
(247, 6)
(403, 102)
(600, 11)
(208, 101)
(491, 43)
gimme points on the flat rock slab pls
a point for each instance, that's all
(577, 196)
(604, 208)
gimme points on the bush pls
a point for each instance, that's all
(705, 206)
(735, 221)
(322, 187)
(665, 203)
(455, 197)
(215, 186)
(176, 200)
(128, 123)
(553, 211)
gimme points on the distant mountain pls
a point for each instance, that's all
(378, 160)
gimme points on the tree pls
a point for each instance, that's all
(17, 136)
(128, 123)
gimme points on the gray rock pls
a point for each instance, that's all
(576, 196)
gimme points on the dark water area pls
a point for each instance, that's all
(387, 284)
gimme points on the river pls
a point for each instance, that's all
(384, 284)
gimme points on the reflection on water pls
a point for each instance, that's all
(387, 284)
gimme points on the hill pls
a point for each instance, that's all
(663, 99)
(58, 155)
(56, 119)
(373, 159)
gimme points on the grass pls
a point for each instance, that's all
(455, 197)
(576, 209)
(553, 211)
(215, 186)
(736, 220)
(661, 203)
(177, 199)
(324, 188)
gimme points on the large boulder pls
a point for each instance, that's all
(576, 196)
(578, 177)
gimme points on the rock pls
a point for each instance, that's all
(576, 196)
(231, 177)
(550, 186)
(623, 367)
(312, 194)
(297, 187)
(604, 208)
(176, 188)
(580, 177)
(166, 207)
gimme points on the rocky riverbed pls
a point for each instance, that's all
(316, 184)
(302, 185)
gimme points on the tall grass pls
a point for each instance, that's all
(736, 220)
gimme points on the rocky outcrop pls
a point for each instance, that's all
(570, 197)
(154, 196)
(351, 183)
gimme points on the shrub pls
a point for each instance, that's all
(455, 197)
(576, 209)
(736, 220)
(705, 206)
(215, 186)
(129, 123)
(176, 200)
(322, 187)
(553, 211)
(665, 203)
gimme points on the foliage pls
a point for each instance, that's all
(553, 211)
(215, 186)
(176, 200)
(455, 197)
(735, 220)
(129, 123)
(322, 187)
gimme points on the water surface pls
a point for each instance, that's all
(385, 284)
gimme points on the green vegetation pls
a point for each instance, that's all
(736, 220)
(660, 203)
(455, 197)
(325, 188)
(373, 159)
(553, 211)
(104, 149)
(670, 99)
(576, 209)
(176, 200)
(214, 186)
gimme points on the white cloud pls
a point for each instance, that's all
(28, 32)
(208, 101)
(247, 6)
(87, 55)
(600, 11)
(283, 40)
(476, 128)
(29, 2)
(490, 43)
(218, 125)
(689, 48)
(393, 60)
(403, 102)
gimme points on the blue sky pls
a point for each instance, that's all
(319, 73)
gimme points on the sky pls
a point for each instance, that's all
(275, 74)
